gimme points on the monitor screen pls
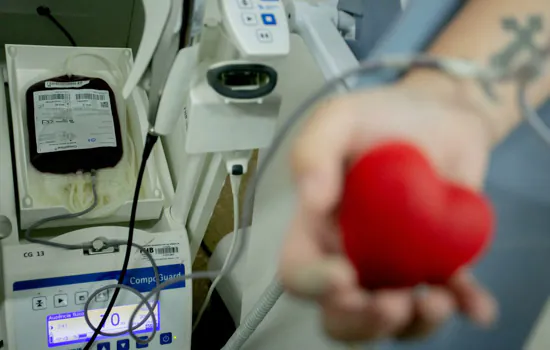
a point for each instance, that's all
(71, 327)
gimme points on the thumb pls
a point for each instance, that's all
(319, 156)
(321, 278)
(308, 266)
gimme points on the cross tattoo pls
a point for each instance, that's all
(524, 42)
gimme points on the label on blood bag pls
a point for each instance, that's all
(73, 120)
(66, 84)
(163, 251)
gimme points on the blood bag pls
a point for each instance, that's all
(77, 121)
(73, 125)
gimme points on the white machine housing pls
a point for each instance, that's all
(232, 33)
(8, 214)
(45, 296)
(207, 125)
(33, 273)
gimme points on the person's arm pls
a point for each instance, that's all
(477, 33)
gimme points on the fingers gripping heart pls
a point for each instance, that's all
(403, 225)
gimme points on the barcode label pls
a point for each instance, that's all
(94, 97)
(73, 119)
(66, 84)
(53, 97)
(167, 250)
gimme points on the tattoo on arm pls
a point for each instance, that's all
(522, 47)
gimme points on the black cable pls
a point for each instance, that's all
(206, 249)
(187, 22)
(147, 149)
(46, 12)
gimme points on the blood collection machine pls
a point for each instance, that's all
(58, 285)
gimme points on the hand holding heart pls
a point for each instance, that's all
(402, 225)
(388, 197)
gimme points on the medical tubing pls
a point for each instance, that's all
(255, 317)
(454, 67)
(113, 68)
(28, 232)
(130, 289)
(147, 150)
(532, 117)
(164, 285)
(301, 111)
(235, 187)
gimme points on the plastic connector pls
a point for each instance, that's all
(237, 170)
(43, 11)
(236, 163)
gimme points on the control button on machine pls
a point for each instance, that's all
(39, 303)
(60, 300)
(250, 19)
(103, 296)
(142, 346)
(264, 36)
(80, 298)
(123, 344)
(245, 4)
(165, 338)
(269, 19)
(104, 346)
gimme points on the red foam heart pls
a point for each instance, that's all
(403, 225)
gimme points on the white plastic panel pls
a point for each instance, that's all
(258, 27)
(29, 64)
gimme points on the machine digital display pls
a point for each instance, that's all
(71, 327)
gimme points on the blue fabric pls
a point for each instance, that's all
(373, 21)
(517, 269)
(417, 26)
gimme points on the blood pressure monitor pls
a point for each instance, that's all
(45, 296)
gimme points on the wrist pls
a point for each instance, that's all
(497, 117)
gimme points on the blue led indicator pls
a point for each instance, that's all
(269, 19)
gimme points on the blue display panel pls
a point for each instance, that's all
(71, 327)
